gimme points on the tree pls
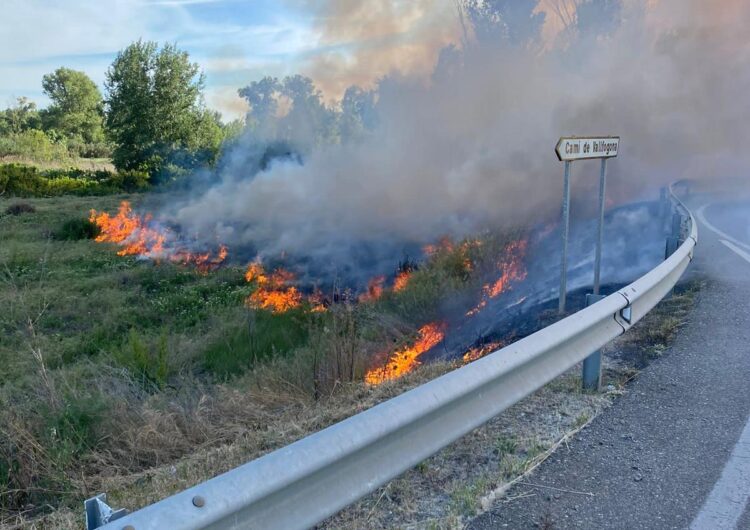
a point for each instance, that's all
(262, 97)
(358, 112)
(20, 117)
(155, 112)
(307, 122)
(76, 110)
(511, 22)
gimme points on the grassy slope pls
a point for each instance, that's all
(111, 366)
(111, 370)
(84, 333)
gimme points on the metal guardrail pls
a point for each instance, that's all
(305, 482)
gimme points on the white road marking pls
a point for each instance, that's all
(737, 250)
(727, 501)
(702, 218)
(729, 497)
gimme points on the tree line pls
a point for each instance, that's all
(152, 116)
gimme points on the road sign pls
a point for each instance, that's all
(570, 149)
(579, 148)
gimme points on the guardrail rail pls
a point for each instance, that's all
(305, 482)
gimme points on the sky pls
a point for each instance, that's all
(336, 42)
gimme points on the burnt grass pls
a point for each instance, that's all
(138, 379)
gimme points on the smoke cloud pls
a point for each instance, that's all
(471, 146)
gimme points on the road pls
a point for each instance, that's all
(674, 452)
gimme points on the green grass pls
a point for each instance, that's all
(115, 362)
(260, 337)
(73, 311)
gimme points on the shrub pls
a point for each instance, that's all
(26, 181)
(33, 144)
(20, 208)
(76, 229)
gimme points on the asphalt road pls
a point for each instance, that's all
(674, 452)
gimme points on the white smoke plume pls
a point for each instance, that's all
(472, 146)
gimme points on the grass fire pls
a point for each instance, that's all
(193, 273)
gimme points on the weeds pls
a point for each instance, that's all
(506, 446)
(465, 497)
(75, 229)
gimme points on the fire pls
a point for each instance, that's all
(374, 289)
(511, 270)
(272, 290)
(404, 361)
(139, 236)
(480, 351)
(444, 245)
(401, 281)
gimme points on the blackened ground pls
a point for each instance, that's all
(653, 458)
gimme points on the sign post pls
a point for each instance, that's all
(600, 228)
(573, 148)
(565, 233)
(568, 150)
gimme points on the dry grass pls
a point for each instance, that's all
(79, 418)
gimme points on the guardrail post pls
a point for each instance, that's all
(676, 225)
(673, 241)
(592, 365)
(99, 513)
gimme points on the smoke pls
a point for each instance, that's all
(472, 147)
(366, 40)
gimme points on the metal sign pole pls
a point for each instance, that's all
(565, 229)
(600, 234)
(578, 148)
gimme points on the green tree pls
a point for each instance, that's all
(21, 117)
(76, 108)
(155, 113)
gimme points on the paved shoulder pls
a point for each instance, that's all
(657, 457)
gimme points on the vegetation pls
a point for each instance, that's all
(27, 181)
(110, 362)
(76, 112)
(155, 113)
(152, 118)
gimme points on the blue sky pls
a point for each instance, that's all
(337, 42)
(234, 41)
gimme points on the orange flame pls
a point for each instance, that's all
(374, 289)
(137, 236)
(444, 245)
(480, 351)
(401, 281)
(272, 291)
(404, 361)
(511, 270)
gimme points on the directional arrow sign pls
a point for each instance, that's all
(577, 148)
